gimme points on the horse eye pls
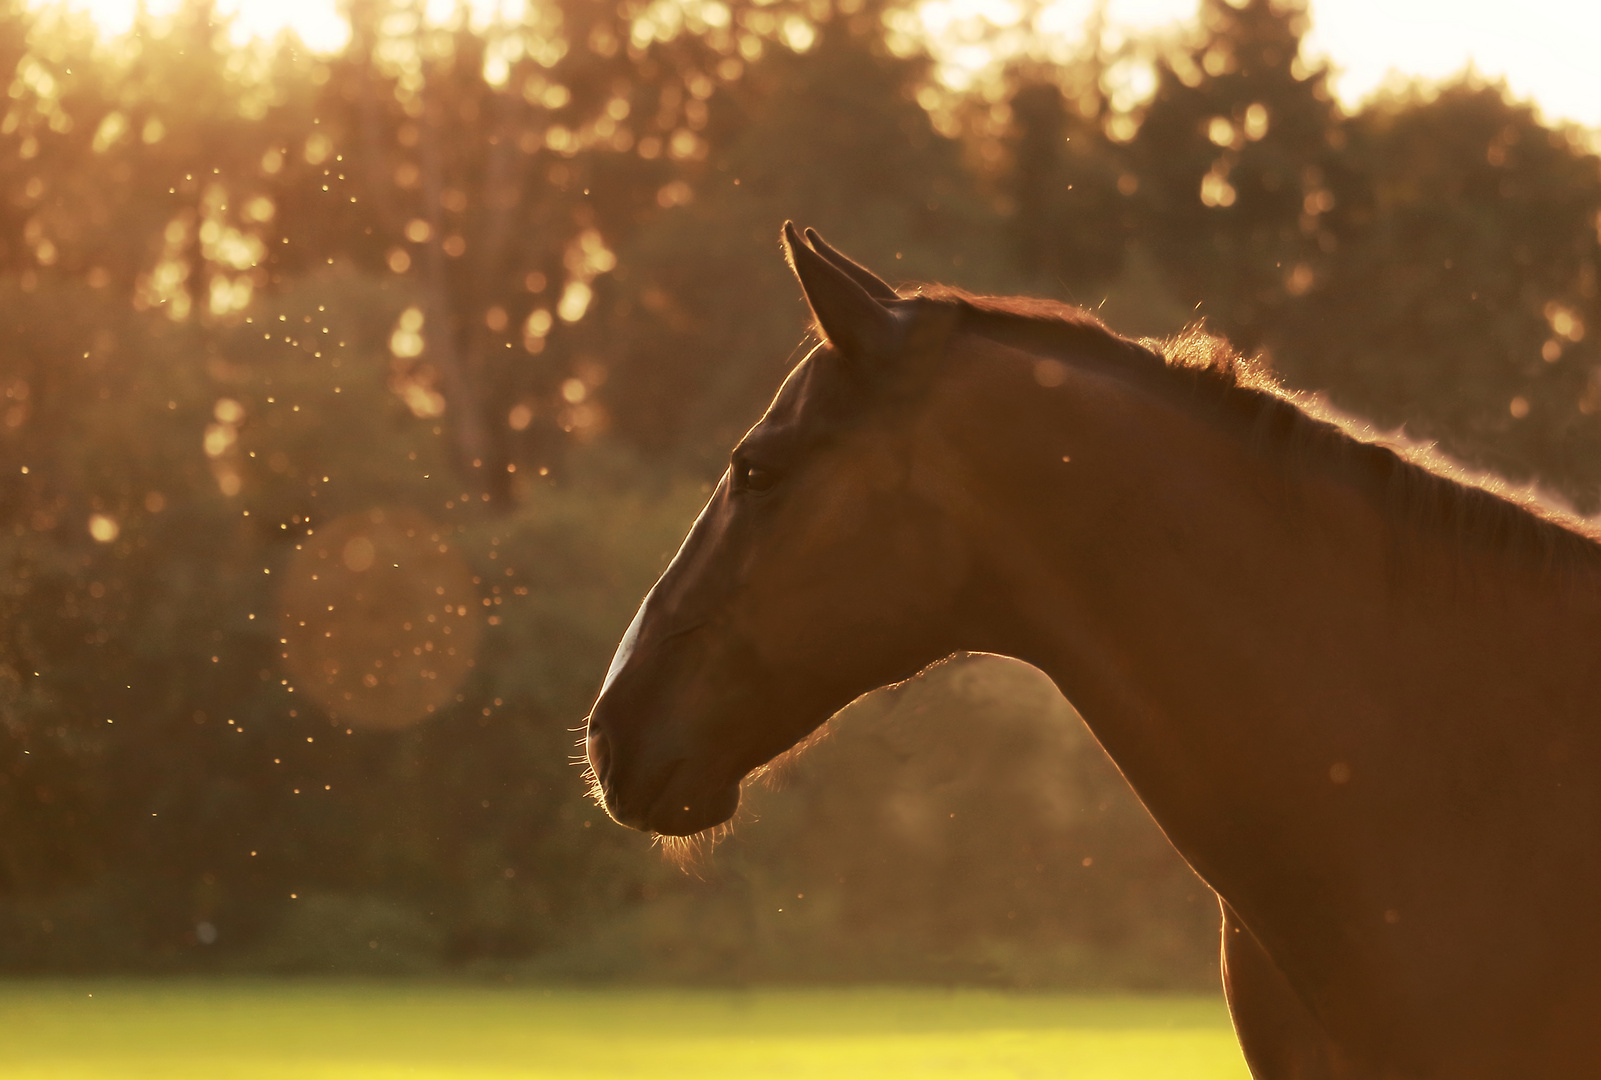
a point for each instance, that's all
(756, 478)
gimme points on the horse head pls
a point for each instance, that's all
(816, 572)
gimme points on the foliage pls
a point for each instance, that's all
(1471, 238)
(1237, 151)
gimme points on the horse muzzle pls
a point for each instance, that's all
(669, 798)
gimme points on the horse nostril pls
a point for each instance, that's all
(598, 748)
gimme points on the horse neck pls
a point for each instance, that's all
(1233, 629)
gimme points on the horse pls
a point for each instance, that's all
(1356, 689)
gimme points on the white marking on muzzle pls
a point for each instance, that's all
(625, 648)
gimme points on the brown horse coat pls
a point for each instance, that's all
(1358, 695)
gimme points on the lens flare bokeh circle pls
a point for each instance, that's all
(379, 618)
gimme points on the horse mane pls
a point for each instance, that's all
(1416, 484)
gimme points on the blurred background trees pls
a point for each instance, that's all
(351, 402)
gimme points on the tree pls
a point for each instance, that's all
(1462, 294)
(704, 322)
(1240, 166)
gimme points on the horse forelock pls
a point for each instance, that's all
(1420, 488)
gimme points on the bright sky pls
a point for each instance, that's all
(1548, 50)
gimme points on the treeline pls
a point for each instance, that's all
(351, 403)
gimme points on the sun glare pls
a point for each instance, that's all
(1545, 53)
(1545, 49)
(316, 22)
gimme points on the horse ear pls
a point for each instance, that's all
(876, 287)
(851, 319)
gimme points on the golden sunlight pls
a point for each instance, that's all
(316, 22)
(1543, 54)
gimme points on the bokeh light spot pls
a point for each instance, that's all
(104, 528)
(359, 554)
(378, 620)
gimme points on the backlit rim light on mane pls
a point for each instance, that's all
(1430, 484)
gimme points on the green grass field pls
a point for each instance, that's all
(353, 1031)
